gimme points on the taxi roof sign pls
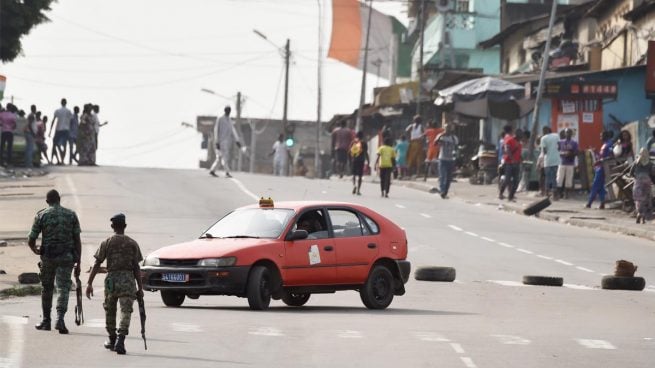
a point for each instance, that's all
(266, 203)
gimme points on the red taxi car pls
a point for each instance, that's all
(288, 251)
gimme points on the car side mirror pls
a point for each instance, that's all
(297, 235)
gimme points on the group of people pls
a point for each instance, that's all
(74, 135)
(60, 254)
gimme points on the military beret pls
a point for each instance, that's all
(118, 218)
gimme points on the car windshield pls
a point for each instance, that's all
(251, 223)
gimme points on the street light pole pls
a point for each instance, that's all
(317, 156)
(362, 93)
(287, 54)
(420, 63)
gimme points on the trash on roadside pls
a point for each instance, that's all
(625, 268)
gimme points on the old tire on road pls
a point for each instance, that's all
(259, 288)
(536, 207)
(172, 298)
(543, 280)
(295, 300)
(446, 274)
(377, 292)
(623, 283)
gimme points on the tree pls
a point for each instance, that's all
(17, 18)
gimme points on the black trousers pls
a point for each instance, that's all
(511, 182)
(6, 139)
(385, 178)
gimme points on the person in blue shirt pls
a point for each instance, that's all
(402, 146)
(598, 185)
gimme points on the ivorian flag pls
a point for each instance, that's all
(349, 23)
(3, 82)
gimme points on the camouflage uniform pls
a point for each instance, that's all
(59, 226)
(121, 253)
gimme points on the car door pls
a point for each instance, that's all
(310, 261)
(356, 247)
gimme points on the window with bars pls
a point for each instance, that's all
(462, 6)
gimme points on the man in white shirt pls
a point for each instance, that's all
(415, 153)
(550, 147)
(281, 156)
(224, 136)
(63, 118)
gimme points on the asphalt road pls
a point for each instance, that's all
(486, 318)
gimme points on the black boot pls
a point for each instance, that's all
(120, 345)
(61, 326)
(109, 344)
(45, 323)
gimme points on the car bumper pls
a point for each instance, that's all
(404, 268)
(208, 281)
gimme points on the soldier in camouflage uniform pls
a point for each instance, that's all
(123, 256)
(60, 251)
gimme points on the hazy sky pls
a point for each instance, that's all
(145, 61)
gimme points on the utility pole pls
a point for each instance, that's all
(362, 94)
(420, 62)
(287, 55)
(238, 123)
(317, 153)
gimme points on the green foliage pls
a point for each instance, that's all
(17, 18)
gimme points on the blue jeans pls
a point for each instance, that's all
(445, 175)
(598, 186)
(550, 173)
(29, 149)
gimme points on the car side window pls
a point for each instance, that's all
(372, 225)
(314, 223)
(345, 224)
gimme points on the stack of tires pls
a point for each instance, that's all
(623, 278)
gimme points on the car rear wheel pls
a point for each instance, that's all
(172, 298)
(294, 299)
(259, 288)
(377, 292)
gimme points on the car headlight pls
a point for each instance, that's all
(217, 262)
(151, 261)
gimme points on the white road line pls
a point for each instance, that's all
(16, 340)
(77, 205)
(584, 269)
(431, 337)
(472, 234)
(95, 323)
(488, 239)
(565, 263)
(244, 189)
(512, 340)
(426, 215)
(524, 251)
(578, 287)
(349, 334)
(265, 331)
(457, 347)
(455, 227)
(506, 245)
(596, 344)
(545, 257)
(468, 362)
(507, 283)
(185, 327)
(400, 206)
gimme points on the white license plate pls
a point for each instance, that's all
(175, 277)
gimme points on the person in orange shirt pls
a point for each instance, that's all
(431, 159)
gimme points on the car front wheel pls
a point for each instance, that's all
(172, 298)
(259, 288)
(377, 292)
(294, 299)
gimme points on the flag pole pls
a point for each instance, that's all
(362, 94)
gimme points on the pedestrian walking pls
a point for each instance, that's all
(86, 138)
(598, 185)
(511, 163)
(60, 252)
(30, 132)
(72, 138)
(224, 136)
(448, 144)
(95, 110)
(342, 137)
(568, 151)
(281, 156)
(642, 171)
(62, 117)
(384, 163)
(415, 153)
(401, 148)
(39, 140)
(432, 154)
(549, 145)
(122, 283)
(359, 156)
(7, 127)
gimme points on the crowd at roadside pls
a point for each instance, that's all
(73, 135)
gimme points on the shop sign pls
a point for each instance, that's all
(581, 89)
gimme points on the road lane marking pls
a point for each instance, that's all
(578, 287)
(584, 269)
(488, 239)
(400, 206)
(596, 344)
(545, 257)
(511, 339)
(457, 347)
(524, 251)
(185, 327)
(16, 341)
(506, 245)
(95, 323)
(471, 234)
(468, 362)
(349, 334)
(426, 215)
(431, 337)
(565, 263)
(455, 227)
(76, 200)
(244, 189)
(265, 331)
(506, 283)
